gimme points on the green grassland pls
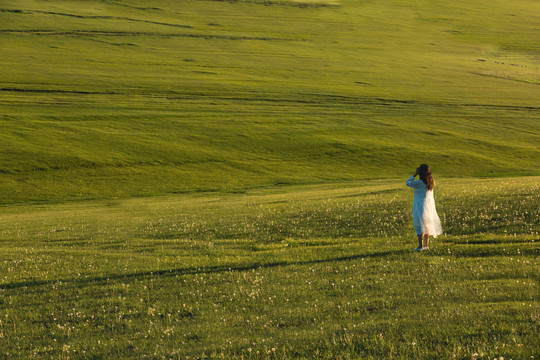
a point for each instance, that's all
(308, 272)
(225, 179)
(113, 99)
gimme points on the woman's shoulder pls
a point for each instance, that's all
(417, 184)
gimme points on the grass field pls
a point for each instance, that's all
(299, 272)
(225, 179)
(114, 99)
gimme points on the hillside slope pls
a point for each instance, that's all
(104, 99)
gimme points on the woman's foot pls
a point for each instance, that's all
(425, 248)
(418, 249)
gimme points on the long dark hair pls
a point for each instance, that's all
(425, 175)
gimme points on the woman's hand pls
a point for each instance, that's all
(416, 173)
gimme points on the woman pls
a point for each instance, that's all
(426, 220)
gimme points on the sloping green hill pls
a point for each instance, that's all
(104, 99)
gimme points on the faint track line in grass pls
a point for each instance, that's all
(135, 7)
(108, 43)
(509, 78)
(49, 32)
(312, 99)
(93, 17)
(298, 4)
(59, 91)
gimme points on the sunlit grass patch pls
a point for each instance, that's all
(298, 272)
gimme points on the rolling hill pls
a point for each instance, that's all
(108, 99)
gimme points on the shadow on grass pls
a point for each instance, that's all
(490, 242)
(197, 270)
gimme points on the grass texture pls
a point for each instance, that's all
(217, 179)
(117, 99)
(311, 272)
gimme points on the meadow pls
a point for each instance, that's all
(117, 99)
(302, 272)
(225, 179)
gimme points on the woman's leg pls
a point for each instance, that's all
(420, 240)
(426, 240)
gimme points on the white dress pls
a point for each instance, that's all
(426, 220)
